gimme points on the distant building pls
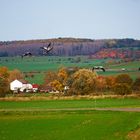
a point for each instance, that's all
(35, 87)
(20, 86)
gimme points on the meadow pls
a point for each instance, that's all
(73, 103)
(29, 120)
(39, 65)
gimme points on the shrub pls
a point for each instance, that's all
(82, 82)
(122, 89)
(124, 78)
(136, 84)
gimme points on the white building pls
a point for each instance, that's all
(20, 85)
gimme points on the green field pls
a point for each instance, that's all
(47, 62)
(83, 103)
(29, 120)
(79, 125)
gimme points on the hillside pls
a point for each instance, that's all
(114, 48)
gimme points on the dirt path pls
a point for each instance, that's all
(73, 109)
(121, 109)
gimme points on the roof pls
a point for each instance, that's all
(35, 85)
(23, 81)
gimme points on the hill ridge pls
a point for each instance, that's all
(129, 48)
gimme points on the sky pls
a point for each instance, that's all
(93, 19)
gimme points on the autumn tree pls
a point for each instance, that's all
(56, 85)
(136, 84)
(123, 79)
(110, 82)
(100, 83)
(4, 84)
(62, 76)
(49, 77)
(122, 89)
(82, 82)
(123, 84)
(15, 74)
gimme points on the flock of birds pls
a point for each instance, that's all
(46, 50)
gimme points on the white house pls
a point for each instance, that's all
(20, 85)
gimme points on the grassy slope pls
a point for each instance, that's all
(70, 125)
(127, 65)
(46, 63)
(126, 102)
(79, 125)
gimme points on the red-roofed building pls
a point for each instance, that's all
(35, 87)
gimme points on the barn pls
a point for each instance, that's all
(20, 86)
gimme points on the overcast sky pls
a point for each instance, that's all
(94, 19)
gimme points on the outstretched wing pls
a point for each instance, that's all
(49, 45)
(26, 54)
(48, 48)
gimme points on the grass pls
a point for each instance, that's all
(79, 125)
(127, 65)
(18, 123)
(82, 103)
(47, 62)
(134, 135)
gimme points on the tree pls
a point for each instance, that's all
(123, 84)
(100, 83)
(56, 85)
(136, 84)
(82, 82)
(110, 82)
(122, 89)
(49, 77)
(4, 84)
(123, 79)
(15, 74)
(62, 76)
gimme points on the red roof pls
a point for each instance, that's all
(35, 85)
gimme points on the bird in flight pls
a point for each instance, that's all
(26, 54)
(47, 49)
(98, 68)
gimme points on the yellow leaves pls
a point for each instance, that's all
(83, 81)
(57, 85)
(62, 75)
(15, 74)
(85, 73)
(4, 74)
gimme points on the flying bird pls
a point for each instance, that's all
(98, 68)
(48, 48)
(26, 54)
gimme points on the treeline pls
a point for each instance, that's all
(76, 82)
(87, 82)
(66, 46)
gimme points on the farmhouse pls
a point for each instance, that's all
(20, 86)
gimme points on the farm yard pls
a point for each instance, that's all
(68, 119)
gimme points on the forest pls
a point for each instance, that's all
(104, 48)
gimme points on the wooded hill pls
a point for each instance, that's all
(115, 48)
